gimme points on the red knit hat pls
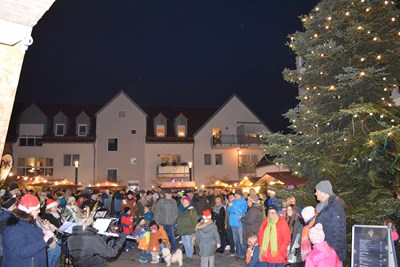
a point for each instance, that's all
(50, 203)
(207, 214)
(28, 203)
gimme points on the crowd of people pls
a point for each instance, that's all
(257, 229)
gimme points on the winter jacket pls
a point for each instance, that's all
(283, 236)
(252, 220)
(296, 236)
(333, 219)
(116, 202)
(238, 208)
(186, 222)
(200, 204)
(322, 255)
(167, 211)
(127, 223)
(219, 219)
(207, 238)
(87, 248)
(23, 244)
(142, 235)
(131, 203)
(154, 244)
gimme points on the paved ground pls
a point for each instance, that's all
(131, 259)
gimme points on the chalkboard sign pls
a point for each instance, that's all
(372, 246)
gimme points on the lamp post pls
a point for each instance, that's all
(76, 171)
(190, 170)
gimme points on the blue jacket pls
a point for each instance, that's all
(255, 259)
(238, 208)
(23, 244)
(333, 219)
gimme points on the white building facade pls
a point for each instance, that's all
(128, 144)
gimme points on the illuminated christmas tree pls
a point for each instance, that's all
(346, 127)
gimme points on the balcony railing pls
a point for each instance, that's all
(173, 171)
(235, 140)
(249, 171)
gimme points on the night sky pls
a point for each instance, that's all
(165, 52)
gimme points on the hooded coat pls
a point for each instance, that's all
(87, 248)
(207, 238)
(322, 255)
(186, 222)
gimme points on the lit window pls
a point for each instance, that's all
(160, 130)
(112, 175)
(181, 130)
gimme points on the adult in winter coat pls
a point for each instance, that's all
(237, 208)
(130, 202)
(274, 238)
(87, 248)
(200, 202)
(185, 226)
(24, 243)
(218, 216)
(332, 216)
(296, 225)
(207, 239)
(166, 214)
(253, 217)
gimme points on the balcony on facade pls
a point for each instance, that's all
(231, 140)
(171, 171)
(247, 171)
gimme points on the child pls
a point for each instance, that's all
(395, 236)
(207, 239)
(158, 240)
(253, 252)
(322, 254)
(148, 214)
(142, 236)
(127, 225)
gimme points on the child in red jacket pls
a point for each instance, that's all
(127, 226)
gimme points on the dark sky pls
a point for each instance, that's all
(165, 52)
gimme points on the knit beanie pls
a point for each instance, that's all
(239, 192)
(126, 209)
(307, 213)
(187, 199)
(8, 202)
(317, 234)
(325, 187)
(13, 186)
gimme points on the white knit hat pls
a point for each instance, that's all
(307, 213)
(316, 234)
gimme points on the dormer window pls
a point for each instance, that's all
(60, 129)
(82, 129)
(160, 125)
(181, 130)
(160, 130)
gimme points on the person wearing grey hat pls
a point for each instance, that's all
(253, 217)
(332, 215)
(236, 209)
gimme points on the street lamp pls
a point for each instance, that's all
(190, 170)
(76, 171)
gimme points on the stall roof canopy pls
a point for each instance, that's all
(287, 178)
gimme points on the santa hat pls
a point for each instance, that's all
(317, 234)
(207, 214)
(50, 203)
(28, 203)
